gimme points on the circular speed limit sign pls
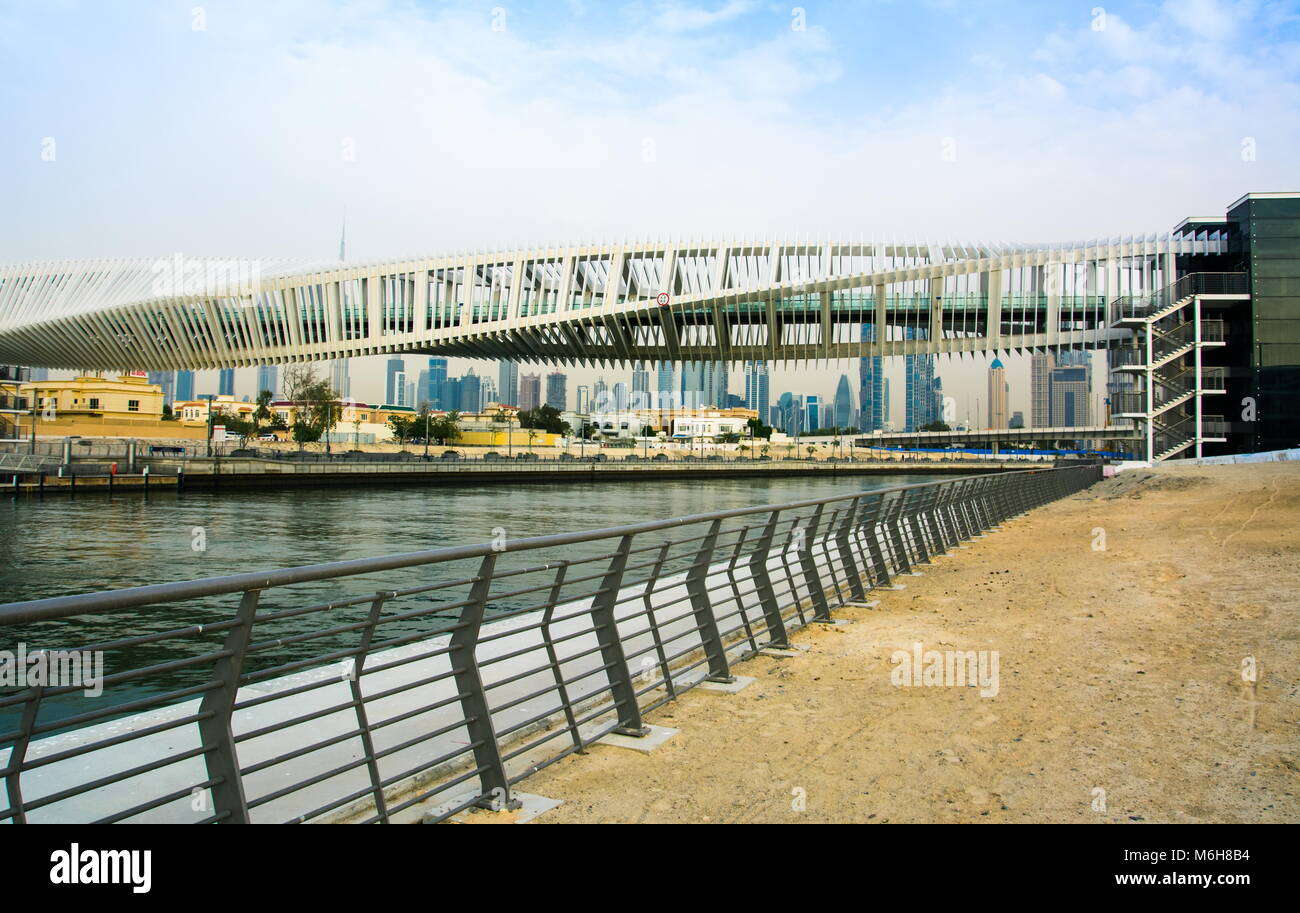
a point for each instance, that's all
(662, 298)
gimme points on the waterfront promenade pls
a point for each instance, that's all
(1120, 671)
(36, 479)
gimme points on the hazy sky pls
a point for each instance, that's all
(252, 128)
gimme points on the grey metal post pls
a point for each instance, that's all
(763, 584)
(611, 647)
(359, 704)
(215, 714)
(654, 624)
(553, 658)
(705, 623)
(811, 572)
(871, 531)
(735, 587)
(495, 785)
(844, 545)
(18, 754)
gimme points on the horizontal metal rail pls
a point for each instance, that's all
(456, 674)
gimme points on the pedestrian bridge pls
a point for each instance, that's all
(594, 304)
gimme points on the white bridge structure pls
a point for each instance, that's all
(594, 304)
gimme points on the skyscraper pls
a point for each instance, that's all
(508, 383)
(667, 387)
(393, 393)
(226, 382)
(789, 408)
(437, 377)
(999, 392)
(812, 408)
(449, 395)
(1060, 387)
(398, 382)
(268, 378)
(918, 371)
(422, 389)
(584, 399)
(530, 391)
(641, 385)
(843, 403)
(1071, 388)
(1040, 392)
(757, 389)
(872, 386)
(340, 378)
(166, 380)
(184, 386)
(704, 383)
(620, 397)
(557, 390)
(471, 393)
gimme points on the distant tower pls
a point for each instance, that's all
(557, 390)
(268, 379)
(226, 382)
(508, 383)
(998, 395)
(843, 403)
(757, 391)
(873, 387)
(394, 392)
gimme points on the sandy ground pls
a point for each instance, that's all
(1119, 671)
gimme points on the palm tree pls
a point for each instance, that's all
(532, 433)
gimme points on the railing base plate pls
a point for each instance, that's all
(738, 683)
(653, 738)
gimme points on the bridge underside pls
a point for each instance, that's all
(775, 302)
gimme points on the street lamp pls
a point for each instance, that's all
(209, 397)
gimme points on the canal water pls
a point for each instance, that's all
(61, 546)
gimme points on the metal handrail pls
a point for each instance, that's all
(441, 704)
(1139, 306)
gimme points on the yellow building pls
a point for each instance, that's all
(195, 411)
(129, 398)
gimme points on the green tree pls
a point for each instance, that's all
(401, 427)
(756, 428)
(544, 418)
(263, 411)
(445, 428)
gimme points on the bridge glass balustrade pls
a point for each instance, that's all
(427, 683)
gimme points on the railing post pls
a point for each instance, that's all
(18, 754)
(654, 624)
(359, 704)
(871, 532)
(611, 647)
(216, 712)
(912, 498)
(697, 585)
(811, 573)
(844, 545)
(553, 658)
(463, 655)
(902, 561)
(735, 587)
(758, 572)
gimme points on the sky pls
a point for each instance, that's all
(234, 128)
